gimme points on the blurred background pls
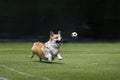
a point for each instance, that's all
(32, 20)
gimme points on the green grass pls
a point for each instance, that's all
(81, 61)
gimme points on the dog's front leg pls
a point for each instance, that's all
(59, 56)
(49, 57)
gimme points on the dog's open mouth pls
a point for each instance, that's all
(59, 41)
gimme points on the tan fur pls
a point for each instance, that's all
(37, 49)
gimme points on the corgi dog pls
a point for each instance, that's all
(49, 50)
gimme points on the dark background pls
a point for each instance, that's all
(92, 19)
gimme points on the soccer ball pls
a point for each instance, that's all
(74, 34)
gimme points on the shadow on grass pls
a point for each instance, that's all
(48, 62)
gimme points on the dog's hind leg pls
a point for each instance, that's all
(40, 59)
(32, 55)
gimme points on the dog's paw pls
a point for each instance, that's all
(60, 58)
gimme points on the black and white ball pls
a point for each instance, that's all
(74, 34)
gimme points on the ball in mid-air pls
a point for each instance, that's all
(74, 34)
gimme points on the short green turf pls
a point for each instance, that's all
(81, 61)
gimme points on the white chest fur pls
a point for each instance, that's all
(53, 48)
(54, 51)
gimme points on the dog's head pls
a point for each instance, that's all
(56, 37)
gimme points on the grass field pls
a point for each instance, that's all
(81, 61)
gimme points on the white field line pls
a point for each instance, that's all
(19, 72)
(14, 70)
(45, 78)
(3, 78)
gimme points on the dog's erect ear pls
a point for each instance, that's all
(59, 32)
(51, 33)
